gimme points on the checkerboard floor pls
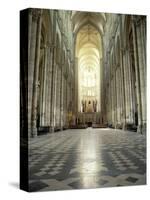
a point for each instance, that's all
(87, 158)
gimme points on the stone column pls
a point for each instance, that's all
(121, 93)
(122, 75)
(120, 96)
(108, 107)
(65, 99)
(123, 85)
(115, 85)
(36, 75)
(139, 130)
(43, 114)
(76, 86)
(55, 88)
(32, 35)
(116, 100)
(117, 97)
(53, 98)
(128, 101)
(58, 96)
(113, 102)
(131, 113)
(119, 83)
(47, 87)
(53, 72)
(41, 86)
(49, 78)
(110, 100)
(61, 97)
(32, 20)
(126, 85)
(141, 49)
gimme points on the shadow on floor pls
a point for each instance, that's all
(14, 184)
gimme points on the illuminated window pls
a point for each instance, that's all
(89, 78)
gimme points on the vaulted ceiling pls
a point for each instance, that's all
(88, 28)
(80, 19)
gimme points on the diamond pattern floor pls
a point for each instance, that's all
(87, 158)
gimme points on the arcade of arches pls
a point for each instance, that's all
(84, 69)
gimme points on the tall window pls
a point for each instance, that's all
(88, 82)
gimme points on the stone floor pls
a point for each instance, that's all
(87, 158)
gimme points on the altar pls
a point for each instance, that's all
(88, 118)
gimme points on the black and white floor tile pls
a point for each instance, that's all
(87, 158)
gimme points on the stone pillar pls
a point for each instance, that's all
(33, 17)
(53, 72)
(116, 94)
(128, 102)
(58, 96)
(55, 88)
(110, 100)
(141, 51)
(44, 92)
(76, 86)
(32, 22)
(36, 74)
(121, 92)
(120, 98)
(125, 67)
(123, 85)
(53, 98)
(139, 129)
(112, 95)
(131, 113)
(65, 99)
(61, 97)
(48, 88)
(117, 97)
(41, 86)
